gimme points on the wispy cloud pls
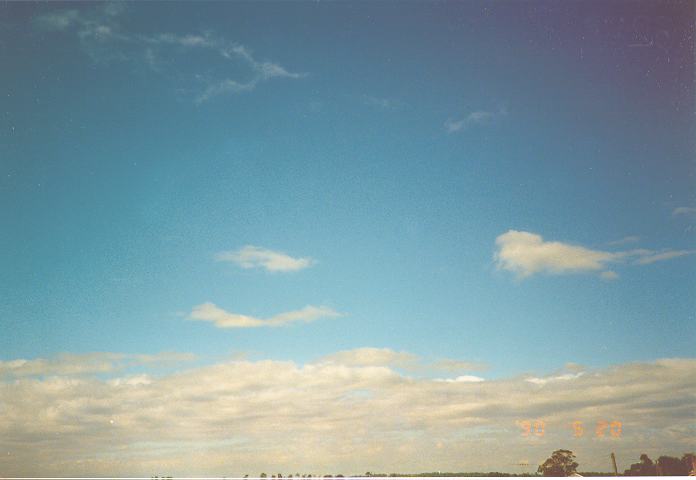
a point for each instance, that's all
(526, 254)
(684, 211)
(479, 117)
(372, 356)
(554, 378)
(251, 256)
(209, 312)
(340, 418)
(609, 275)
(625, 240)
(102, 36)
(380, 103)
(452, 365)
(660, 256)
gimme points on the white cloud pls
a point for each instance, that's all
(684, 211)
(371, 357)
(452, 365)
(480, 117)
(236, 417)
(250, 256)
(209, 312)
(556, 378)
(103, 38)
(85, 363)
(380, 103)
(462, 378)
(526, 254)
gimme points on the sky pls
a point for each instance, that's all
(230, 224)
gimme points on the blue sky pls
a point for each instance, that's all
(394, 147)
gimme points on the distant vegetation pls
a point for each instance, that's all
(664, 466)
(561, 463)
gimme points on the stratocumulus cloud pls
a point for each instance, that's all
(70, 364)
(239, 416)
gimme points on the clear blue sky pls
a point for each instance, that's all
(390, 144)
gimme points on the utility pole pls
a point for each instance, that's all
(613, 463)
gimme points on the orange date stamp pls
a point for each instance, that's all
(602, 428)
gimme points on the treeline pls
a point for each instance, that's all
(561, 463)
(665, 465)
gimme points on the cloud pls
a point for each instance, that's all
(371, 357)
(665, 255)
(209, 312)
(527, 254)
(86, 363)
(250, 256)
(684, 211)
(462, 378)
(452, 365)
(625, 240)
(235, 418)
(380, 103)
(609, 275)
(103, 38)
(479, 117)
(556, 378)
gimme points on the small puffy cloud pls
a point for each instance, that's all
(250, 256)
(526, 253)
(371, 357)
(684, 211)
(209, 312)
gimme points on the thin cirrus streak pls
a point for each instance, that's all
(103, 37)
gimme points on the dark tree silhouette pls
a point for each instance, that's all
(645, 468)
(671, 466)
(561, 464)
